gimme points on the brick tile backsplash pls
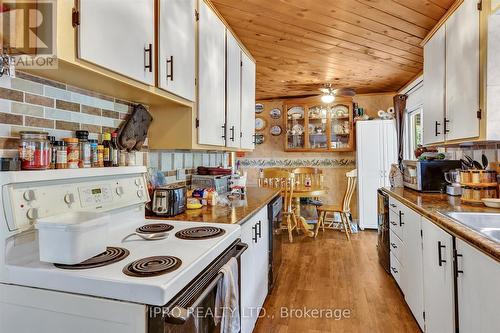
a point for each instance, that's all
(38, 100)
(69, 106)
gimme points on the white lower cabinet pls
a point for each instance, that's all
(254, 269)
(422, 263)
(438, 279)
(478, 290)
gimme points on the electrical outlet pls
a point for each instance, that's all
(180, 174)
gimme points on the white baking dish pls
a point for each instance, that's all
(73, 237)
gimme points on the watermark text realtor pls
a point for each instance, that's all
(28, 31)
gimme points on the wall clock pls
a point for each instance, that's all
(259, 107)
(275, 113)
(275, 130)
(260, 123)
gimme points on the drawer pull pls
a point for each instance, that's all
(393, 223)
(394, 270)
(394, 246)
(393, 205)
(440, 255)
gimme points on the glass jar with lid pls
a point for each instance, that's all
(34, 150)
(84, 149)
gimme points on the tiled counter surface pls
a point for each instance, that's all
(428, 205)
(238, 212)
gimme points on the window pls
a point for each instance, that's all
(413, 118)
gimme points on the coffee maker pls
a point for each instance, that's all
(453, 178)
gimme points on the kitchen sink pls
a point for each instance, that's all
(487, 224)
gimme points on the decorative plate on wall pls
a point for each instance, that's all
(259, 107)
(260, 123)
(259, 139)
(275, 130)
(275, 113)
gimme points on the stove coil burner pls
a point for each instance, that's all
(200, 233)
(154, 228)
(152, 266)
(110, 256)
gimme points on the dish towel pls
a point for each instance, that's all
(227, 299)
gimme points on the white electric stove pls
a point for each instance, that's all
(118, 295)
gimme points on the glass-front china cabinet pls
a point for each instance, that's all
(314, 126)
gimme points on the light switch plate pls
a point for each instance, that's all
(181, 174)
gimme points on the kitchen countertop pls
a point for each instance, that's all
(428, 205)
(238, 212)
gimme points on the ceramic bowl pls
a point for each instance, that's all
(493, 203)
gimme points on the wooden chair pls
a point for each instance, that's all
(301, 174)
(343, 210)
(284, 180)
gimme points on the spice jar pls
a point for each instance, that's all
(476, 177)
(476, 194)
(488, 177)
(466, 177)
(34, 151)
(490, 192)
(53, 152)
(61, 155)
(466, 193)
(100, 156)
(94, 158)
(84, 147)
(73, 152)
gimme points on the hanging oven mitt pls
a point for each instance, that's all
(133, 132)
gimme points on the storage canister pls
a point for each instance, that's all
(94, 154)
(73, 152)
(34, 150)
(84, 147)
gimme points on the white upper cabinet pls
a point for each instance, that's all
(462, 72)
(247, 102)
(176, 43)
(434, 88)
(233, 90)
(438, 279)
(212, 78)
(119, 35)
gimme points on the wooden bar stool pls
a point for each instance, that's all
(284, 180)
(343, 210)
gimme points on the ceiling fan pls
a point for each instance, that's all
(329, 93)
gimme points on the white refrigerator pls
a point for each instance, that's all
(376, 150)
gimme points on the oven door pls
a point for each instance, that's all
(193, 309)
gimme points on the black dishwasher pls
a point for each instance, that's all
(275, 239)
(383, 247)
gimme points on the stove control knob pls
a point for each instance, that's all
(69, 198)
(29, 195)
(32, 213)
(119, 190)
(140, 193)
(138, 182)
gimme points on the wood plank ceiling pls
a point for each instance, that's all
(369, 45)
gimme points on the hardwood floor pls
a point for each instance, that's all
(331, 273)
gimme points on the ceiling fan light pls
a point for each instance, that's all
(327, 99)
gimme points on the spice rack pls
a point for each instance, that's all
(477, 185)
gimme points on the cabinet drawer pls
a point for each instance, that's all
(396, 246)
(394, 223)
(396, 270)
(394, 205)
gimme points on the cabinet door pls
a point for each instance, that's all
(119, 35)
(262, 256)
(438, 279)
(478, 290)
(212, 77)
(413, 278)
(177, 47)
(434, 88)
(247, 278)
(462, 72)
(370, 175)
(233, 89)
(390, 149)
(247, 102)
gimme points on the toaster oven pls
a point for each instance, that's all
(427, 176)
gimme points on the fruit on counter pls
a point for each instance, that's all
(193, 203)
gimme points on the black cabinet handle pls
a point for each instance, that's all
(393, 223)
(401, 223)
(446, 130)
(394, 270)
(394, 246)
(254, 139)
(170, 63)
(459, 271)
(393, 205)
(254, 233)
(440, 255)
(232, 133)
(436, 128)
(148, 60)
(224, 131)
(259, 229)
